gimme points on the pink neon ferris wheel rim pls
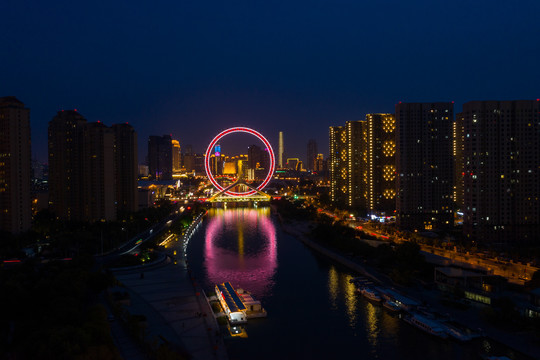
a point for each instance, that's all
(240, 130)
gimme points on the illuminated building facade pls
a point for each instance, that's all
(501, 157)
(160, 157)
(355, 190)
(216, 163)
(378, 163)
(281, 150)
(294, 164)
(319, 163)
(338, 165)
(230, 167)
(457, 153)
(424, 165)
(15, 166)
(176, 157)
(311, 154)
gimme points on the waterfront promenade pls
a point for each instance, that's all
(175, 307)
(523, 342)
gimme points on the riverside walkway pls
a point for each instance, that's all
(175, 307)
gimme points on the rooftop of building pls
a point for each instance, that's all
(10, 100)
(458, 272)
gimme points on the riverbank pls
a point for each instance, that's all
(174, 304)
(524, 343)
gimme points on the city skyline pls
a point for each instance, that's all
(293, 68)
(173, 173)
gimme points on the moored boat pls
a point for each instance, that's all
(254, 308)
(370, 294)
(430, 326)
(392, 306)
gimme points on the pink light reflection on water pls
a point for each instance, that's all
(253, 272)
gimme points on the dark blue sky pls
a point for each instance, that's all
(192, 69)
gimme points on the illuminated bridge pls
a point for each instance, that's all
(223, 197)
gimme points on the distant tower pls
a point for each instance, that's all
(15, 166)
(311, 154)
(281, 150)
(160, 157)
(176, 163)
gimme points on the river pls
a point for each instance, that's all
(313, 310)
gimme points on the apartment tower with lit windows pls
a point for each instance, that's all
(355, 188)
(378, 163)
(424, 165)
(501, 171)
(338, 165)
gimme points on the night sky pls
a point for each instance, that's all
(192, 69)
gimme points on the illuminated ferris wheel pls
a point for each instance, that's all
(228, 191)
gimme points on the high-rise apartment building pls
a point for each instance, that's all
(160, 157)
(66, 170)
(378, 163)
(15, 166)
(355, 189)
(501, 173)
(258, 158)
(338, 165)
(281, 150)
(126, 170)
(99, 183)
(457, 153)
(92, 168)
(176, 156)
(311, 154)
(424, 165)
(319, 163)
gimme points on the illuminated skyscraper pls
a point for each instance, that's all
(355, 188)
(424, 165)
(457, 153)
(281, 150)
(379, 163)
(311, 154)
(319, 163)
(176, 163)
(501, 173)
(338, 165)
(15, 166)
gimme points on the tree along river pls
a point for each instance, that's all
(313, 310)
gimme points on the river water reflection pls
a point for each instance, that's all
(313, 310)
(240, 247)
